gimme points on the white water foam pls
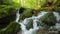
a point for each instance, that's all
(35, 19)
(17, 16)
(35, 27)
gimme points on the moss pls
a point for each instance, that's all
(48, 19)
(12, 28)
(6, 10)
(27, 13)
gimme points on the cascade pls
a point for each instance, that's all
(17, 16)
(35, 20)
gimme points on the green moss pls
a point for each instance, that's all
(6, 10)
(48, 19)
(27, 13)
(12, 28)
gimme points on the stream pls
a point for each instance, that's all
(35, 19)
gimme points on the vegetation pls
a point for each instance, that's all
(6, 10)
(12, 28)
(27, 13)
(9, 7)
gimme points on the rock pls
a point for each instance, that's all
(20, 32)
(7, 15)
(26, 13)
(29, 24)
(35, 12)
(6, 10)
(21, 10)
(43, 31)
(6, 20)
(48, 19)
(12, 28)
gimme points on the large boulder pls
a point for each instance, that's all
(48, 19)
(7, 15)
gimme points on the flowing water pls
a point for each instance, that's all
(35, 20)
(17, 16)
(57, 26)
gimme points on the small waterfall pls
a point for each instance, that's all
(35, 20)
(35, 27)
(17, 16)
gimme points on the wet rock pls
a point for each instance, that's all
(53, 32)
(27, 13)
(29, 24)
(48, 19)
(43, 31)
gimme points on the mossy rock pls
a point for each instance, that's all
(6, 10)
(48, 19)
(6, 20)
(12, 28)
(29, 24)
(7, 15)
(26, 13)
